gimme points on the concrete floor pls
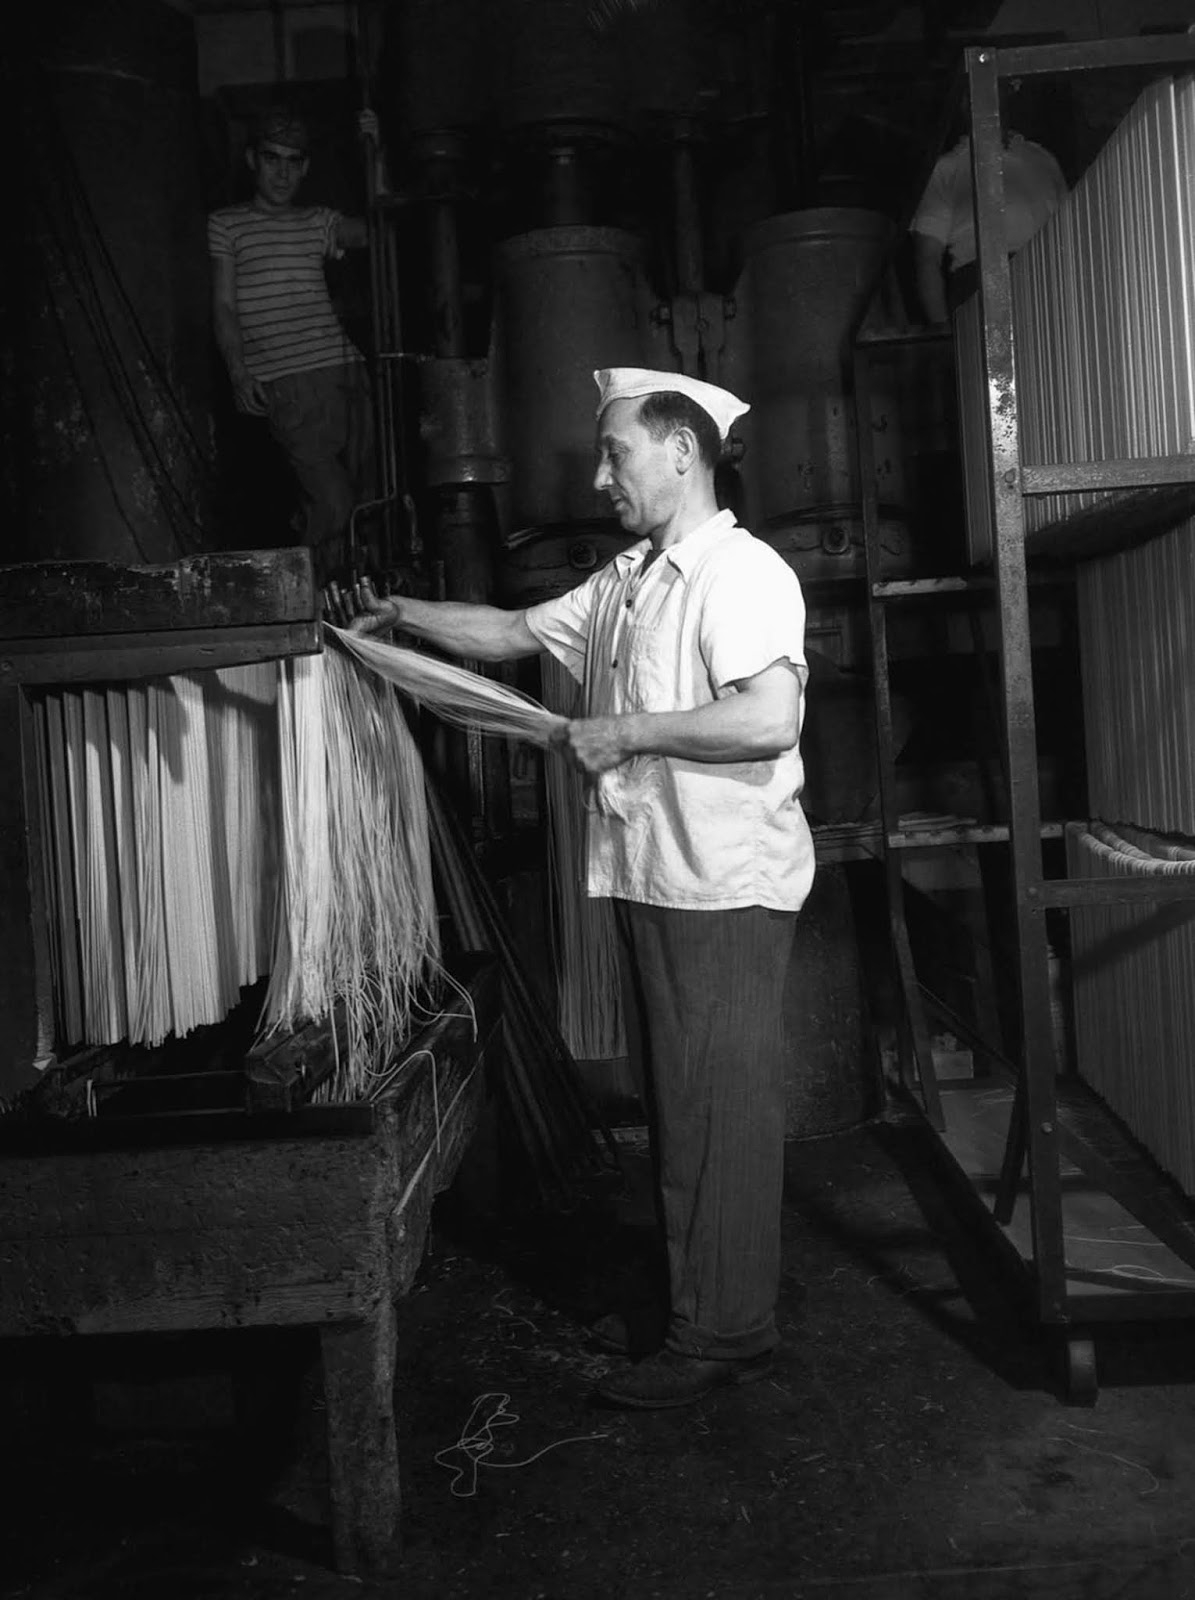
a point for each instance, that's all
(910, 1444)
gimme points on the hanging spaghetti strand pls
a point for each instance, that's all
(452, 692)
(356, 921)
(588, 983)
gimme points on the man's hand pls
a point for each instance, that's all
(371, 614)
(249, 394)
(368, 126)
(595, 744)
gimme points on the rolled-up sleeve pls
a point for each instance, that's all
(752, 616)
(219, 237)
(562, 625)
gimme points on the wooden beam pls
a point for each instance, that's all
(64, 599)
(99, 658)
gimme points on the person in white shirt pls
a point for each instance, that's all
(689, 647)
(943, 228)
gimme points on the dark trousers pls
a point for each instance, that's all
(321, 421)
(705, 990)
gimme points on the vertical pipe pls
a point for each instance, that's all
(690, 262)
(385, 316)
(565, 201)
(278, 24)
(442, 154)
(464, 512)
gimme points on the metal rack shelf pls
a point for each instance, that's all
(952, 586)
(961, 833)
(859, 841)
(1025, 1195)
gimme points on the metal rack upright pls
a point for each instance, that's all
(1042, 1132)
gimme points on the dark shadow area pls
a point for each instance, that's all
(151, 1452)
(196, 1466)
(602, 1254)
(942, 1268)
(987, 1305)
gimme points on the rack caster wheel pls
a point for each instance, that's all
(1081, 1377)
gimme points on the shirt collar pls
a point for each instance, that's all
(685, 552)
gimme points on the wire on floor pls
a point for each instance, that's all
(476, 1444)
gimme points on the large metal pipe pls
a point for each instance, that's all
(569, 300)
(805, 277)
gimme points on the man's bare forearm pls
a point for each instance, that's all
(228, 339)
(931, 285)
(736, 729)
(757, 724)
(485, 633)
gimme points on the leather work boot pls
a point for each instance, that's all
(668, 1379)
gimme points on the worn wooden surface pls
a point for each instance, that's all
(364, 1480)
(244, 1232)
(60, 599)
(283, 1070)
(325, 1230)
(95, 621)
(118, 657)
(208, 1236)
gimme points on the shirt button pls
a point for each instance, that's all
(628, 602)
(613, 664)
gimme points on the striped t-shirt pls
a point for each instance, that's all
(283, 307)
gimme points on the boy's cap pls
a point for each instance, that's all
(280, 125)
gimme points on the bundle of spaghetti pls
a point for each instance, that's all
(58, 881)
(210, 886)
(1133, 982)
(299, 989)
(356, 929)
(1138, 670)
(1105, 302)
(124, 806)
(97, 887)
(156, 885)
(1103, 314)
(196, 897)
(588, 987)
(204, 827)
(150, 1018)
(561, 1132)
(452, 692)
(242, 723)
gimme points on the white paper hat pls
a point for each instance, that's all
(632, 383)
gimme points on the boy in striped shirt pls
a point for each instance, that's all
(289, 359)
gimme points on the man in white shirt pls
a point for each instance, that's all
(943, 228)
(689, 647)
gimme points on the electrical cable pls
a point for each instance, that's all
(476, 1444)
